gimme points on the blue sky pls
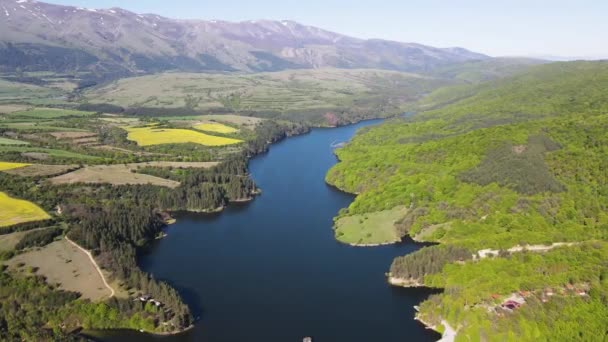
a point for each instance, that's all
(574, 28)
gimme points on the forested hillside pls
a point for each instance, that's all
(82, 178)
(514, 172)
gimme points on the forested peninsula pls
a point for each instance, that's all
(509, 178)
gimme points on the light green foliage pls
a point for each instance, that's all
(7, 141)
(477, 71)
(469, 288)
(370, 228)
(518, 161)
(544, 91)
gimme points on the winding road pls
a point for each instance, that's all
(105, 282)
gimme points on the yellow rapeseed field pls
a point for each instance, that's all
(14, 211)
(215, 127)
(9, 166)
(150, 135)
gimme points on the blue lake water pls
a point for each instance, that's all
(271, 270)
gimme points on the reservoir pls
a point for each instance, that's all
(271, 270)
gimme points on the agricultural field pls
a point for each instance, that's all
(41, 170)
(26, 124)
(4, 166)
(147, 136)
(176, 165)
(113, 174)
(14, 211)
(7, 141)
(50, 113)
(213, 127)
(11, 108)
(72, 135)
(121, 174)
(370, 228)
(64, 264)
(45, 153)
(249, 122)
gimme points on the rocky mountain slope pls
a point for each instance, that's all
(41, 36)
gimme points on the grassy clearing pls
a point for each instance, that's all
(4, 166)
(233, 119)
(147, 136)
(112, 174)
(9, 241)
(41, 170)
(122, 174)
(51, 113)
(11, 108)
(64, 264)
(7, 141)
(45, 126)
(214, 127)
(73, 135)
(178, 165)
(371, 228)
(14, 211)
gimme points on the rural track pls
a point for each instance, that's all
(482, 254)
(105, 282)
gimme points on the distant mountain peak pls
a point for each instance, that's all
(36, 35)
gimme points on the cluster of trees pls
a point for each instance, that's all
(203, 189)
(521, 168)
(39, 238)
(470, 288)
(269, 131)
(113, 232)
(428, 260)
(32, 310)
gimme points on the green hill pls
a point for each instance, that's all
(484, 70)
(543, 91)
(505, 164)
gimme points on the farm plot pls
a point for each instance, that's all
(64, 264)
(249, 122)
(5, 166)
(173, 164)
(215, 128)
(111, 174)
(77, 138)
(14, 211)
(7, 141)
(11, 108)
(147, 136)
(44, 153)
(50, 113)
(41, 170)
(122, 174)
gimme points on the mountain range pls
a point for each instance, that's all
(41, 36)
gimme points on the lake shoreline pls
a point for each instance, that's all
(177, 248)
